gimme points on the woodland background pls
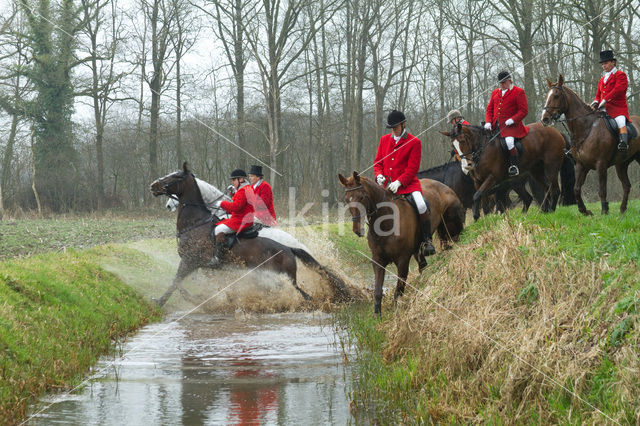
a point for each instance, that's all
(100, 97)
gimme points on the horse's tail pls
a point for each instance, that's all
(338, 283)
(567, 177)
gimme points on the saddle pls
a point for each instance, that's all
(412, 203)
(247, 234)
(612, 126)
(517, 143)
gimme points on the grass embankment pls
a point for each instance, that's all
(60, 311)
(530, 319)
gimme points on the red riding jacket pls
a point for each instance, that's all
(241, 209)
(512, 105)
(264, 209)
(614, 91)
(399, 161)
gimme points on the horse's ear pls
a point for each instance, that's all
(445, 133)
(560, 80)
(185, 168)
(356, 177)
(343, 180)
(549, 83)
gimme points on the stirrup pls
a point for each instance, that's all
(623, 146)
(427, 249)
(513, 170)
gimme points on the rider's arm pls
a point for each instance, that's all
(237, 204)
(523, 107)
(489, 114)
(378, 169)
(413, 163)
(619, 89)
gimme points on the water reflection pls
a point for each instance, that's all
(267, 369)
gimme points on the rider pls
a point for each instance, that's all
(265, 211)
(506, 110)
(455, 117)
(612, 95)
(241, 209)
(398, 157)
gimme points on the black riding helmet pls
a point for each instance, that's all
(238, 173)
(504, 76)
(394, 118)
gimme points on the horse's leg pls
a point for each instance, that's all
(184, 269)
(602, 181)
(621, 171)
(422, 262)
(378, 271)
(581, 175)
(540, 177)
(524, 196)
(403, 272)
(477, 197)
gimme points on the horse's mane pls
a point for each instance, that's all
(434, 169)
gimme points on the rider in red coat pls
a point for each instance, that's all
(612, 95)
(241, 209)
(506, 109)
(264, 210)
(398, 159)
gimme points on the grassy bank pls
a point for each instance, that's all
(530, 319)
(58, 313)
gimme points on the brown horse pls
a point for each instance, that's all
(394, 229)
(542, 157)
(592, 146)
(195, 248)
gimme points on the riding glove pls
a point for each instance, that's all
(380, 179)
(509, 122)
(487, 126)
(602, 104)
(393, 186)
(594, 104)
(231, 190)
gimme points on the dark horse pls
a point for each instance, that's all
(195, 247)
(542, 157)
(394, 229)
(592, 146)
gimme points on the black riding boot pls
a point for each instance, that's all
(219, 250)
(513, 162)
(624, 142)
(426, 247)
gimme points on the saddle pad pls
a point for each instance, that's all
(612, 126)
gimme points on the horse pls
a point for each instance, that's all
(451, 174)
(542, 157)
(592, 145)
(194, 224)
(394, 229)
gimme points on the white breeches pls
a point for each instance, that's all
(621, 120)
(422, 206)
(223, 229)
(510, 140)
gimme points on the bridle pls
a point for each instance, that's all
(556, 116)
(476, 154)
(369, 213)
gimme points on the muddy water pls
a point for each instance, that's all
(214, 369)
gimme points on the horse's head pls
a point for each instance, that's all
(358, 200)
(465, 144)
(172, 184)
(556, 103)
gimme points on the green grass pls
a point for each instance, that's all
(405, 388)
(25, 237)
(58, 313)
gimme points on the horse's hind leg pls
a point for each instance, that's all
(621, 171)
(291, 268)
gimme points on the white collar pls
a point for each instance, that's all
(243, 184)
(257, 184)
(608, 74)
